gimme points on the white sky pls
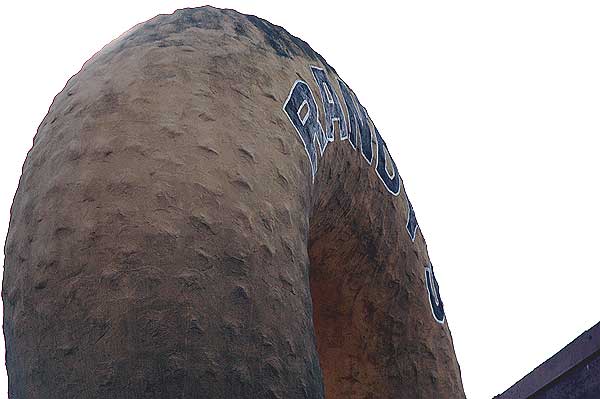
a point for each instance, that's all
(491, 110)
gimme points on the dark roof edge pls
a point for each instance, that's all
(564, 360)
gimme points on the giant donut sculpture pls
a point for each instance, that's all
(208, 211)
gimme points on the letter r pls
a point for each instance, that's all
(302, 111)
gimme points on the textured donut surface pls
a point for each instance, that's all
(209, 212)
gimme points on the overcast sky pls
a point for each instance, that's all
(491, 110)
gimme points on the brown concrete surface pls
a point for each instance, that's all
(166, 239)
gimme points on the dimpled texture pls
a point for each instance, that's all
(166, 239)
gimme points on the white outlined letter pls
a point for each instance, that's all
(308, 126)
(331, 105)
